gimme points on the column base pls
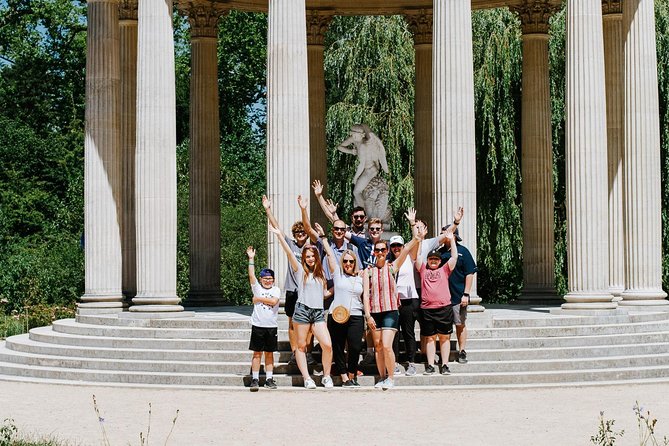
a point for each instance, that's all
(144, 304)
(475, 304)
(538, 296)
(101, 304)
(156, 315)
(156, 308)
(589, 301)
(644, 298)
(205, 298)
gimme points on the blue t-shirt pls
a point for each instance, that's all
(365, 249)
(465, 266)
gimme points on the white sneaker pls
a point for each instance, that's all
(309, 383)
(388, 384)
(398, 369)
(327, 382)
(379, 385)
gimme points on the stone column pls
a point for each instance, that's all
(155, 175)
(587, 197)
(642, 189)
(537, 158)
(317, 24)
(287, 118)
(102, 142)
(453, 140)
(205, 157)
(128, 26)
(420, 23)
(614, 65)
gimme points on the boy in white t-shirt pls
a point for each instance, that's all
(264, 326)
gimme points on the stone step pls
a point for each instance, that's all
(45, 334)
(458, 379)
(559, 320)
(70, 326)
(243, 367)
(22, 343)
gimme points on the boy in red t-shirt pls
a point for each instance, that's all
(436, 308)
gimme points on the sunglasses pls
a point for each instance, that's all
(348, 261)
(375, 229)
(358, 217)
(380, 249)
(395, 246)
(299, 233)
(336, 229)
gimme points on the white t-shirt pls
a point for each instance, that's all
(348, 292)
(264, 315)
(311, 292)
(406, 284)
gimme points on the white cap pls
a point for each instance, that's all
(396, 239)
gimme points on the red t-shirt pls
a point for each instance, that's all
(435, 292)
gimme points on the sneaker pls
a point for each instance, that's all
(444, 370)
(379, 385)
(270, 384)
(255, 385)
(411, 370)
(292, 361)
(429, 370)
(327, 382)
(355, 383)
(309, 384)
(350, 384)
(388, 384)
(398, 369)
(462, 357)
(311, 360)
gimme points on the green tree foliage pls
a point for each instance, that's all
(662, 30)
(497, 77)
(369, 78)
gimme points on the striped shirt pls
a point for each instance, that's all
(383, 290)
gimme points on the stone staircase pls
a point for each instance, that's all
(508, 347)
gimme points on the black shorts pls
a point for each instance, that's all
(436, 321)
(291, 300)
(263, 339)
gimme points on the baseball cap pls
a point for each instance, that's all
(456, 233)
(396, 239)
(434, 253)
(266, 272)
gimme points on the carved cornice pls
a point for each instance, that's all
(612, 7)
(534, 15)
(420, 24)
(318, 22)
(127, 10)
(203, 16)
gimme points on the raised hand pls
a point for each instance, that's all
(421, 232)
(276, 231)
(319, 229)
(458, 215)
(449, 236)
(317, 187)
(331, 206)
(302, 202)
(410, 214)
(250, 252)
(266, 202)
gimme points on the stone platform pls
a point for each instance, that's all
(508, 347)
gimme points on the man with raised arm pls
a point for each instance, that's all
(358, 215)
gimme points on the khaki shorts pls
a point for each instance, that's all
(459, 314)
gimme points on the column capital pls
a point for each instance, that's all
(420, 24)
(202, 16)
(534, 15)
(612, 7)
(318, 22)
(127, 10)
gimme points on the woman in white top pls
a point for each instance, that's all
(309, 313)
(349, 286)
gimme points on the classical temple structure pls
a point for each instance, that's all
(612, 148)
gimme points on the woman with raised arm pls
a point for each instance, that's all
(381, 308)
(309, 313)
(346, 323)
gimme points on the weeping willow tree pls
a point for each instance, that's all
(369, 75)
(497, 80)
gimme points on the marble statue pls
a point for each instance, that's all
(370, 189)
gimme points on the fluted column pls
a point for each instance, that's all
(642, 189)
(317, 24)
(537, 157)
(287, 117)
(453, 140)
(155, 176)
(614, 65)
(205, 155)
(586, 152)
(102, 142)
(420, 23)
(128, 26)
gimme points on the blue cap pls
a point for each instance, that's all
(266, 272)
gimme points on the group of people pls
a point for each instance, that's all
(354, 285)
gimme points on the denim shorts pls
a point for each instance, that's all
(387, 320)
(308, 315)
